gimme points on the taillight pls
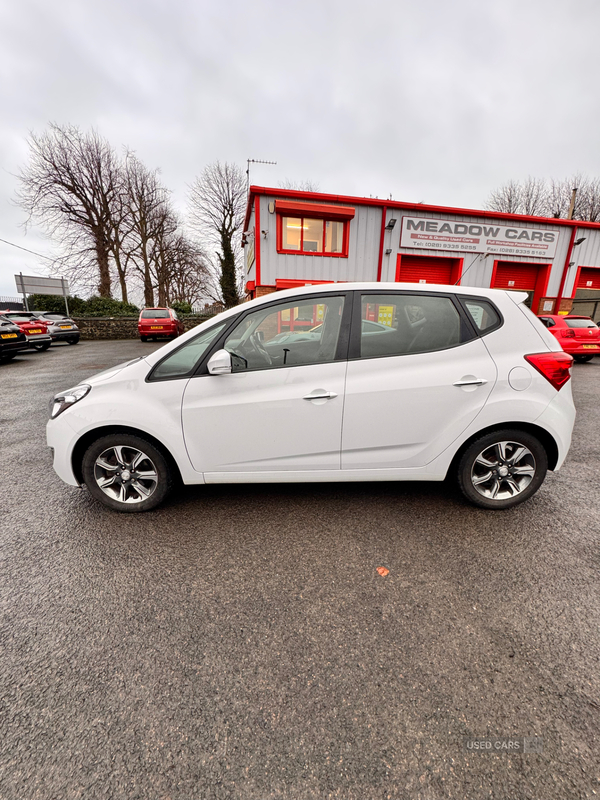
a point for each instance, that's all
(568, 333)
(555, 367)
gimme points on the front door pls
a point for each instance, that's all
(280, 410)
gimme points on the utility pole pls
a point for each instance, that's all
(572, 206)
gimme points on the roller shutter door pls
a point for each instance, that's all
(589, 278)
(516, 276)
(417, 269)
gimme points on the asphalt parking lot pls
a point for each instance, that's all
(239, 642)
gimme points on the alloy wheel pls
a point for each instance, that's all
(503, 470)
(125, 474)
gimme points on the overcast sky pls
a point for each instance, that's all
(438, 101)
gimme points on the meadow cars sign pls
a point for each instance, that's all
(439, 234)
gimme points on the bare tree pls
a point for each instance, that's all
(218, 202)
(151, 220)
(71, 185)
(537, 197)
(301, 186)
(183, 265)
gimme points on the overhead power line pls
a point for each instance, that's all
(40, 255)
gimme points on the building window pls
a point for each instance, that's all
(313, 236)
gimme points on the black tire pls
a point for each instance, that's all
(154, 462)
(7, 357)
(41, 348)
(144, 338)
(74, 340)
(524, 475)
(582, 359)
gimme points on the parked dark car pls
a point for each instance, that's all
(12, 340)
(35, 330)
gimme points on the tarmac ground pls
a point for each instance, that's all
(239, 642)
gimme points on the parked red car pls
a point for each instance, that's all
(158, 322)
(579, 336)
(36, 332)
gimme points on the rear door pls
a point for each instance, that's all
(411, 389)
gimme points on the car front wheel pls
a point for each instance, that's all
(502, 469)
(126, 473)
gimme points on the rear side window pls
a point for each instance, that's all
(483, 314)
(399, 324)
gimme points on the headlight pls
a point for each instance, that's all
(66, 399)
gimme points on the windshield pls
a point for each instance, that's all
(155, 313)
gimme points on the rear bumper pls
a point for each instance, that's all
(39, 339)
(164, 332)
(583, 350)
(13, 347)
(65, 336)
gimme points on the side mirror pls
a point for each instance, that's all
(219, 363)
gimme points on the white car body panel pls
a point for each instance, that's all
(403, 411)
(256, 426)
(281, 429)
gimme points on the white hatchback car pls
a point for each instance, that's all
(459, 382)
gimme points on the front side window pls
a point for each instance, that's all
(312, 236)
(288, 334)
(182, 362)
(394, 325)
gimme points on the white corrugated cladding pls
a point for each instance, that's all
(587, 254)
(477, 267)
(363, 250)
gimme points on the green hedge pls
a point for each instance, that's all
(94, 307)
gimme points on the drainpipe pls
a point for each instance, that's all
(380, 261)
(565, 269)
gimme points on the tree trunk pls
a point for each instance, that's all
(102, 255)
(228, 278)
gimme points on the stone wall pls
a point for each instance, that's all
(121, 327)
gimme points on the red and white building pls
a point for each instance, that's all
(292, 238)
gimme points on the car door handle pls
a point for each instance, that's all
(318, 395)
(470, 382)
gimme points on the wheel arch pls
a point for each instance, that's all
(546, 440)
(106, 430)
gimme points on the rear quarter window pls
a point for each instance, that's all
(482, 314)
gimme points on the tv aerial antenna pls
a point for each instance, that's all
(254, 161)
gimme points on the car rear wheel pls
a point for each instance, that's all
(127, 473)
(7, 356)
(144, 338)
(582, 359)
(74, 340)
(41, 347)
(502, 469)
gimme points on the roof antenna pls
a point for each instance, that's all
(254, 161)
